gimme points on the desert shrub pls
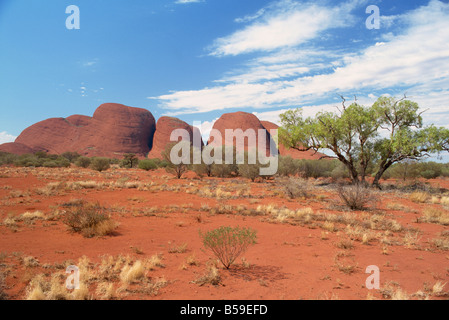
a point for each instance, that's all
(130, 160)
(202, 169)
(294, 188)
(287, 166)
(147, 165)
(100, 164)
(355, 196)
(228, 243)
(412, 169)
(177, 169)
(211, 276)
(59, 162)
(89, 219)
(429, 174)
(162, 163)
(316, 168)
(419, 196)
(432, 215)
(83, 162)
(250, 171)
(71, 156)
(339, 172)
(50, 164)
(224, 169)
(7, 158)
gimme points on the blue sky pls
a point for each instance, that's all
(197, 59)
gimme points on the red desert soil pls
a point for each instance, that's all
(156, 212)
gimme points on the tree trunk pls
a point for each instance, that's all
(382, 168)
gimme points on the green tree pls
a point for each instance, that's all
(353, 135)
(180, 165)
(130, 160)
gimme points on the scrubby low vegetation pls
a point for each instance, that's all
(228, 243)
(89, 219)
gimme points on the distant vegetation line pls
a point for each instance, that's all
(287, 166)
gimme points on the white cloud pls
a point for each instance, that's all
(413, 61)
(283, 24)
(205, 128)
(6, 137)
(90, 63)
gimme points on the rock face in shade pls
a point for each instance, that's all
(164, 128)
(295, 154)
(113, 130)
(248, 123)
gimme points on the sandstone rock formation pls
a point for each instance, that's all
(244, 121)
(16, 148)
(164, 128)
(113, 130)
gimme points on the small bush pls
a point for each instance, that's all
(83, 162)
(100, 164)
(211, 276)
(228, 243)
(147, 165)
(250, 171)
(429, 174)
(419, 196)
(432, 215)
(90, 220)
(287, 166)
(355, 197)
(293, 189)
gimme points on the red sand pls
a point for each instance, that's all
(288, 262)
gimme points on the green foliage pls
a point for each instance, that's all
(147, 164)
(100, 164)
(287, 166)
(83, 162)
(250, 171)
(71, 156)
(59, 162)
(39, 159)
(353, 136)
(251, 168)
(409, 170)
(227, 167)
(177, 169)
(228, 243)
(130, 160)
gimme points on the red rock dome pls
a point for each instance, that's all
(164, 128)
